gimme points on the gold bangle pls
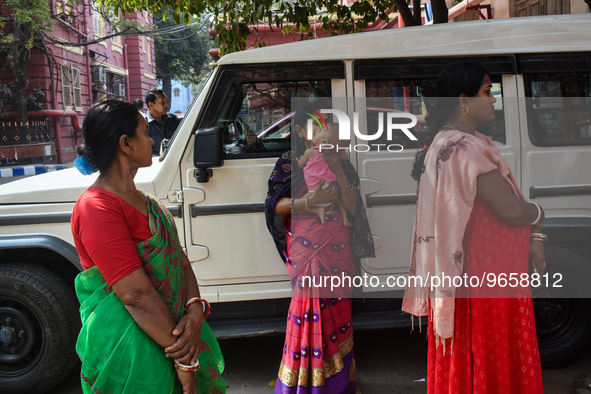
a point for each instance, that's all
(306, 201)
(538, 237)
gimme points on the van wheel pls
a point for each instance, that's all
(563, 324)
(39, 324)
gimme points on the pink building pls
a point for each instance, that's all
(121, 67)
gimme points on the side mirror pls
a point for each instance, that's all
(207, 152)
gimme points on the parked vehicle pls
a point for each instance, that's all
(540, 66)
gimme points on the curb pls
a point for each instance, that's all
(30, 170)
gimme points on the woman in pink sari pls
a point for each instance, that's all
(472, 219)
(318, 351)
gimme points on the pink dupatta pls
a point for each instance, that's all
(446, 194)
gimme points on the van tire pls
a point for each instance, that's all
(39, 324)
(563, 324)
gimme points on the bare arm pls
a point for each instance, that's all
(493, 190)
(146, 306)
(188, 328)
(283, 206)
(349, 199)
(318, 196)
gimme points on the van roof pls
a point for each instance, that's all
(558, 33)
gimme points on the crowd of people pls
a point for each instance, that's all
(144, 322)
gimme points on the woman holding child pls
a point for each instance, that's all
(318, 351)
(472, 219)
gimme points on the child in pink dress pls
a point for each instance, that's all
(317, 169)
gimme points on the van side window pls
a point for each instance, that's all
(406, 96)
(263, 121)
(559, 108)
(412, 96)
(253, 105)
(409, 83)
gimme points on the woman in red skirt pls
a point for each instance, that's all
(472, 222)
(318, 355)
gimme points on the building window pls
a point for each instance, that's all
(66, 86)
(113, 20)
(115, 39)
(177, 92)
(76, 89)
(98, 24)
(64, 11)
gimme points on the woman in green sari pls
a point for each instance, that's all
(144, 328)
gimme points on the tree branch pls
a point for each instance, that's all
(440, 11)
(416, 10)
(405, 13)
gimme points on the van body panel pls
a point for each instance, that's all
(540, 68)
(559, 33)
(245, 253)
(58, 245)
(44, 188)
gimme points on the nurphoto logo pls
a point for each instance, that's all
(388, 122)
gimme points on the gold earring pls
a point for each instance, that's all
(465, 109)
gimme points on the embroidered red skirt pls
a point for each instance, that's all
(318, 351)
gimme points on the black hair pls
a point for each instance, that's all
(455, 79)
(103, 126)
(299, 118)
(151, 95)
(138, 103)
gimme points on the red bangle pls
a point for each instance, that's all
(186, 368)
(206, 307)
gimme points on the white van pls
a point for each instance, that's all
(215, 181)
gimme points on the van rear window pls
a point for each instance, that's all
(409, 95)
(559, 108)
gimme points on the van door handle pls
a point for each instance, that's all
(227, 209)
(380, 201)
(558, 191)
(176, 211)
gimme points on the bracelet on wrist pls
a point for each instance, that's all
(538, 237)
(350, 189)
(292, 204)
(206, 306)
(306, 200)
(186, 368)
(540, 214)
